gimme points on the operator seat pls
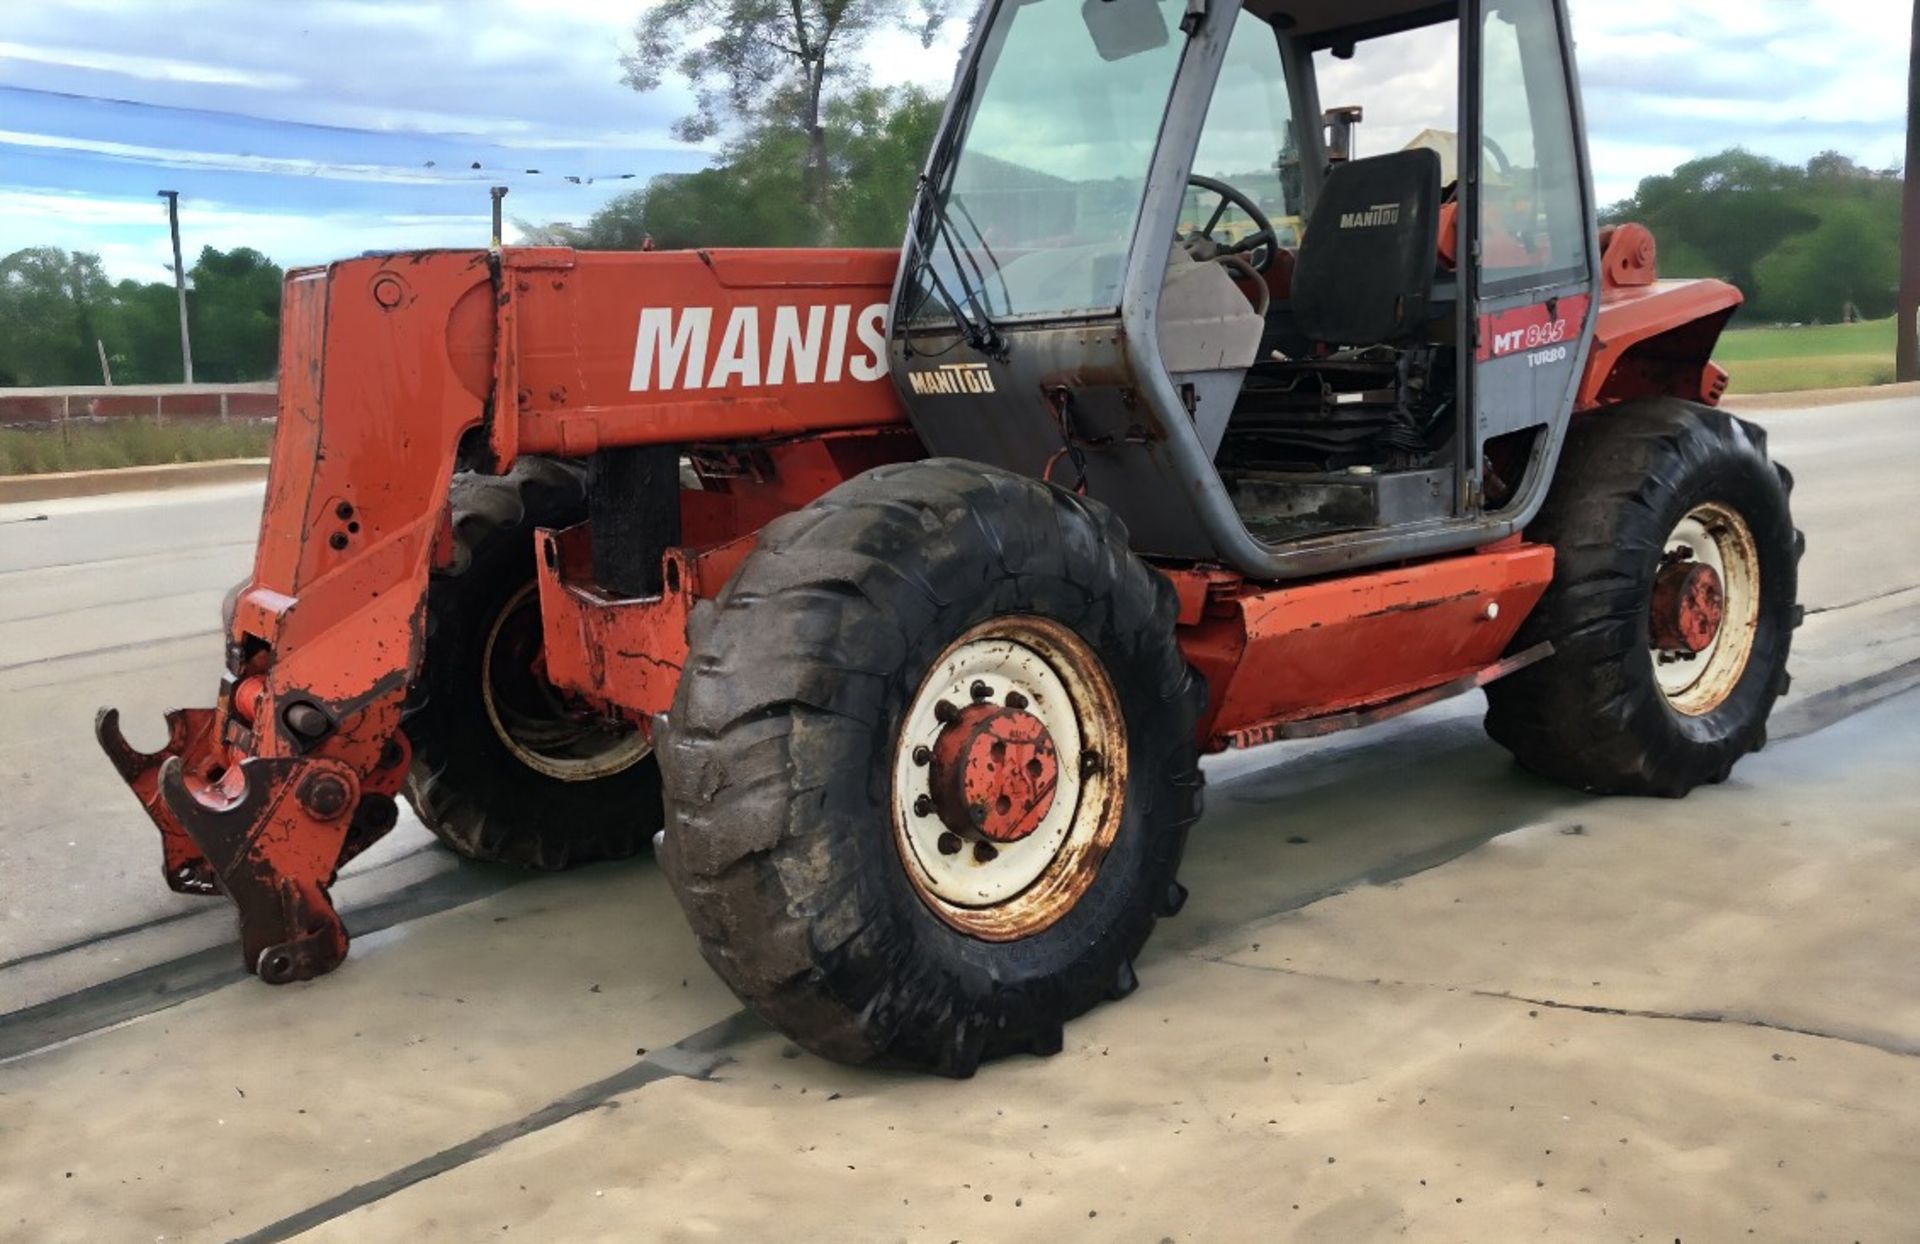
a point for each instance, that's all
(1350, 372)
(1364, 275)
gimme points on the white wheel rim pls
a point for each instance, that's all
(1014, 889)
(1713, 535)
(562, 751)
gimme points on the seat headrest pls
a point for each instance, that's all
(1365, 270)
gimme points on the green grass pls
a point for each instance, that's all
(127, 442)
(1820, 356)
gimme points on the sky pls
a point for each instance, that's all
(313, 129)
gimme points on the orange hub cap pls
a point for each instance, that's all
(1688, 603)
(993, 772)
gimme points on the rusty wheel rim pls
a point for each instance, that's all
(531, 719)
(1010, 889)
(1715, 536)
(998, 890)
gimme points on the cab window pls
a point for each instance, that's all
(1248, 142)
(1532, 225)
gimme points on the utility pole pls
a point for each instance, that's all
(179, 282)
(497, 193)
(1907, 364)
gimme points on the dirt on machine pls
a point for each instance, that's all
(898, 594)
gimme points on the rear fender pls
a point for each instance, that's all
(1654, 338)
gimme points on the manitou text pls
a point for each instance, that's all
(819, 344)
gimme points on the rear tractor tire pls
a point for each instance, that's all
(931, 767)
(1672, 607)
(504, 768)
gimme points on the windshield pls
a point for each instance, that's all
(1044, 184)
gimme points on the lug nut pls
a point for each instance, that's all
(1016, 700)
(980, 690)
(1089, 763)
(922, 806)
(949, 844)
(944, 712)
(983, 852)
(922, 756)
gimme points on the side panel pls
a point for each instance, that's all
(681, 347)
(1286, 654)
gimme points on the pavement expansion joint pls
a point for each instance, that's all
(695, 1057)
(1894, 1046)
(1886, 1045)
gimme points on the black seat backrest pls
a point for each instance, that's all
(1366, 263)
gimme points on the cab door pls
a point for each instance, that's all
(1527, 203)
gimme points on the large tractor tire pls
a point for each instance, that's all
(504, 768)
(1672, 607)
(931, 767)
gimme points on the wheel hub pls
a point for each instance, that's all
(1009, 777)
(1688, 604)
(993, 772)
(1704, 608)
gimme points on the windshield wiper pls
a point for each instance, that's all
(970, 313)
(931, 223)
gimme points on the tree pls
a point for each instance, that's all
(50, 300)
(54, 306)
(1733, 209)
(234, 314)
(1810, 243)
(876, 143)
(769, 64)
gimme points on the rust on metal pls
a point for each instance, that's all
(1295, 652)
(994, 771)
(1096, 809)
(1687, 606)
(1353, 719)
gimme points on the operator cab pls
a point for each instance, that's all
(1162, 272)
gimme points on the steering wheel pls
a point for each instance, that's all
(1201, 244)
(1500, 161)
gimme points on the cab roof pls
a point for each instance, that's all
(1324, 23)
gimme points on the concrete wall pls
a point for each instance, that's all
(93, 403)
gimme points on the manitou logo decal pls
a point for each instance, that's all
(1375, 217)
(802, 345)
(952, 378)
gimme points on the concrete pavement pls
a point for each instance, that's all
(1623, 1018)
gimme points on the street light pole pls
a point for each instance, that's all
(179, 281)
(1907, 364)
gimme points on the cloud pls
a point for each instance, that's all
(150, 68)
(353, 124)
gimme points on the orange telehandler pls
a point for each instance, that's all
(901, 592)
